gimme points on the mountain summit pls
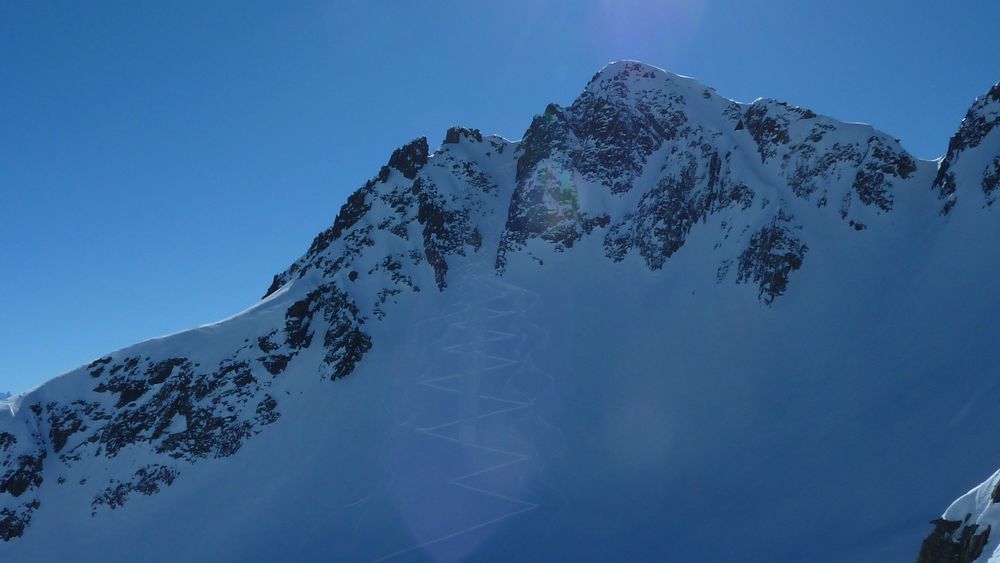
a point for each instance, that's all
(663, 325)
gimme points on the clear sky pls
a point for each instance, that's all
(159, 161)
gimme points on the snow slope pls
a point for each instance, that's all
(664, 325)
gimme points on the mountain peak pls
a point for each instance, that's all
(626, 68)
(670, 255)
(620, 78)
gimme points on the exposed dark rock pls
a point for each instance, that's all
(267, 410)
(811, 164)
(183, 412)
(667, 212)
(977, 124)
(767, 127)
(774, 252)
(812, 171)
(619, 145)
(297, 321)
(953, 541)
(410, 158)
(265, 343)
(160, 371)
(275, 364)
(7, 440)
(548, 133)
(545, 205)
(446, 231)
(393, 266)
(130, 383)
(130, 393)
(210, 409)
(455, 134)
(14, 522)
(68, 420)
(276, 282)
(469, 173)
(344, 341)
(96, 367)
(991, 180)
(351, 212)
(26, 473)
(63, 423)
(620, 122)
(870, 183)
(147, 481)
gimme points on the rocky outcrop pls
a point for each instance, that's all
(768, 128)
(409, 159)
(147, 481)
(774, 252)
(344, 342)
(824, 161)
(14, 520)
(178, 410)
(962, 533)
(980, 121)
(622, 117)
(667, 212)
(545, 205)
(953, 541)
(21, 477)
(456, 134)
(22, 473)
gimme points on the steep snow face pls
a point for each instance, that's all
(663, 325)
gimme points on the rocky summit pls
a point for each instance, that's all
(663, 325)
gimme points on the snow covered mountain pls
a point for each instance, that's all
(664, 325)
(963, 531)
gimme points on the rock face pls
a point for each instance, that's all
(977, 143)
(953, 540)
(962, 534)
(772, 255)
(643, 170)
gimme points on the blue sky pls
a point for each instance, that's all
(159, 161)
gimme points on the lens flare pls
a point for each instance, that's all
(634, 28)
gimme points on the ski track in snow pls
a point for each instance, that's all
(497, 368)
